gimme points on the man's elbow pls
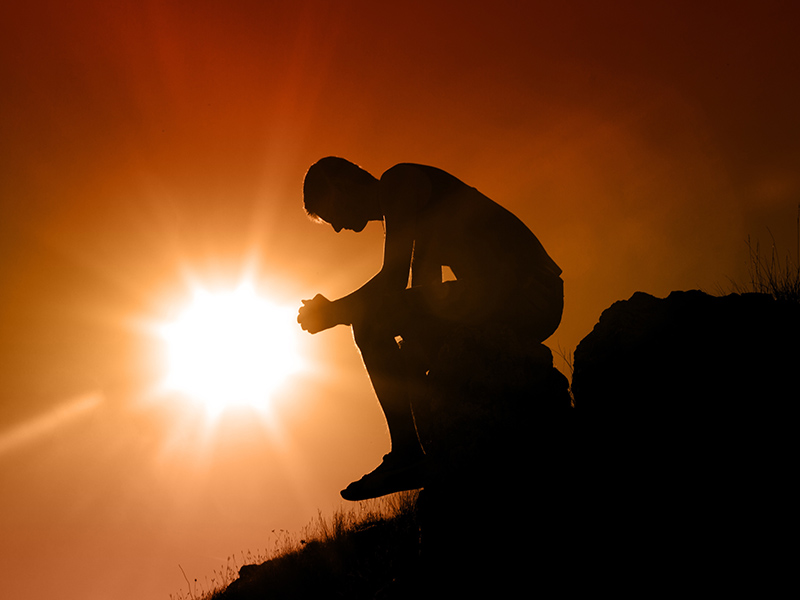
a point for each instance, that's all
(392, 280)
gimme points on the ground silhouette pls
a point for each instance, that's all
(670, 471)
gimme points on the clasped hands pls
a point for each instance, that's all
(316, 314)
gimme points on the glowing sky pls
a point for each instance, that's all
(143, 145)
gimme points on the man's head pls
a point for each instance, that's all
(337, 191)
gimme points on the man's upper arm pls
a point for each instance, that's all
(404, 189)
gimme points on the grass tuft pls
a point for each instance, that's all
(334, 544)
(771, 274)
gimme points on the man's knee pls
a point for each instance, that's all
(371, 327)
(384, 318)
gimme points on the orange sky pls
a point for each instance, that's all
(140, 140)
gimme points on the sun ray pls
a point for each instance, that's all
(49, 422)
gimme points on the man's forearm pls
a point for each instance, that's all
(345, 310)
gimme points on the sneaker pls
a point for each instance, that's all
(392, 475)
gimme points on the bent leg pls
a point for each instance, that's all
(394, 379)
(538, 310)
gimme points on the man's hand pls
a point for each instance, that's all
(316, 314)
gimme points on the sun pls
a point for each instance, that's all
(230, 348)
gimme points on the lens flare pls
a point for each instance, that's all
(230, 348)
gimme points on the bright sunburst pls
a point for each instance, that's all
(230, 348)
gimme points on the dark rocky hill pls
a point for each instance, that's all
(672, 471)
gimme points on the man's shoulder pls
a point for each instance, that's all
(404, 179)
(413, 174)
(404, 171)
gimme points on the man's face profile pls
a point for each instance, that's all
(340, 210)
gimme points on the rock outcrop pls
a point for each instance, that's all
(690, 354)
(686, 409)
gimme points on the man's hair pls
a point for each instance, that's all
(325, 172)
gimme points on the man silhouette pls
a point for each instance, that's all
(504, 278)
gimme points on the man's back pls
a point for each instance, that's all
(457, 226)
